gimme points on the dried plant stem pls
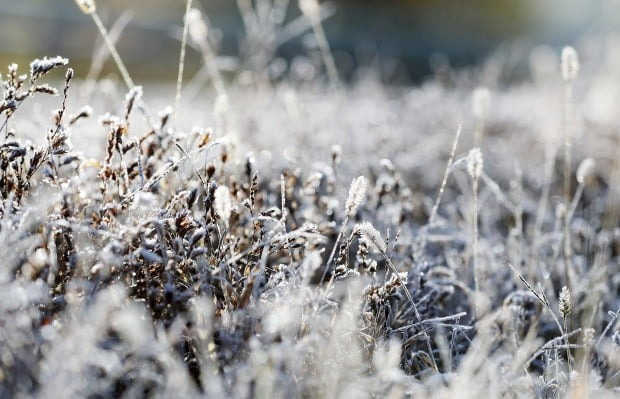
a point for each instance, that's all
(112, 49)
(102, 53)
(312, 12)
(475, 245)
(550, 155)
(446, 173)
(211, 62)
(567, 182)
(415, 307)
(542, 298)
(177, 100)
(333, 253)
(610, 324)
(555, 344)
(328, 59)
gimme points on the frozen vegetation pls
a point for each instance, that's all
(278, 233)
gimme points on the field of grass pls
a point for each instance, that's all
(278, 233)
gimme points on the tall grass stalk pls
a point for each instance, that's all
(311, 10)
(177, 100)
(357, 192)
(102, 53)
(198, 31)
(481, 102)
(89, 7)
(446, 173)
(570, 68)
(475, 168)
(550, 155)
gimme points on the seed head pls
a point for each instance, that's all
(585, 170)
(87, 6)
(197, 28)
(356, 195)
(570, 64)
(309, 7)
(475, 163)
(371, 235)
(40, 67)
(135, 94)
(565, 307)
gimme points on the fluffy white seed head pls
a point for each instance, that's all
(223, 203)
(87, 6)
(372, 236)
(481, 102)
(197, 27)
(585, 170)
(475, 163)
(309, 7)
(357, 192)
(565, 307)
(570, 64)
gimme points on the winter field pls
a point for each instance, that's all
(272, 231)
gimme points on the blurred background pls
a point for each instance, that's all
(404, 38)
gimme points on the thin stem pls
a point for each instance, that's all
(328, 59)
(177, 99)
(333, 253)
(446, 173)
(550, 155)
(415, 307)
(567, 183)
(475, 246)
(113, 52)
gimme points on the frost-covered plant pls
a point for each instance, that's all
(162, 262)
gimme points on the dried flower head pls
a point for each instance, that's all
(475, 163)
(40, 67)
(585, 170)
(84, 112)
(197, 27)
(356, 195)
(135, 94)
(371, 235)
(481, 102)
(87, 6)
(47, 89)
(565, 306)
(570, 64)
